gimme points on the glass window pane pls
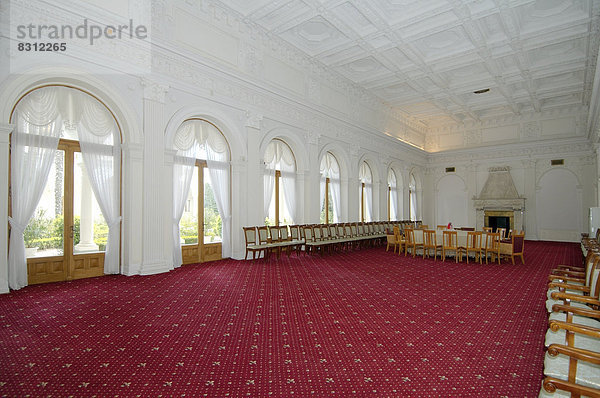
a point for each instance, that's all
(284, 214)
(90, 230)
(188, 225)
(213, 229)
(44, 233)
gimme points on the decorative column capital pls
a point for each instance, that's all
(153, 90)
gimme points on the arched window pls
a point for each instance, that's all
(392, 196)
(201, 210)
(412, 198)
(330, 189)
(279, 184)
(65, 187)
(366, 192)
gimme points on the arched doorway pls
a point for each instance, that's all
(64, 187)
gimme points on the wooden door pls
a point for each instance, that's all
(58, 251)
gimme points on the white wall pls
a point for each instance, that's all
(452, 202)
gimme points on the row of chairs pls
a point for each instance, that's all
(313, 237)
(572, 361)
(494, 249)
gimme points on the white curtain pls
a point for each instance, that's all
(368, 202)
(334, 185)
(393, 195)
(33, 147)
(183, 170)
(322, 187)
(268, 186)
(101, 151)
(394, 204)
(288, 181)
(218, 168)
(278, 155)
(366, 178)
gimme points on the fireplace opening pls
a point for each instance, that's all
(499, 222)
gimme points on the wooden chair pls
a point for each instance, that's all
(400, 239)
(391, 241)
(450, 242)
(410, 241)
(295, 237)
(430, 243)
(474, 245)
(251, 245)
(515, 248)
(441, 227)
(492, 246)
(502, 232)
(264, 240)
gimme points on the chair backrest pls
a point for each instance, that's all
(502, 232)
(340, 230)
(371, 229)
(474, 239)
(348, 231)
(487, 229)
(317, 232)
(441, 227)
(518, 243)
(274, 233)
(333, 231)
(283, 233)
(353, 229)
(410, 236)
(492, 241)
(263, 234)
(294, 232)
(325, 232)
(308, 233)
(360, 230)
(450, 239)
(429, 238)
(250, 235)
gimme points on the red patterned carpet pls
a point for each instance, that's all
(366, 323)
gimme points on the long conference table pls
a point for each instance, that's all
(461, 237)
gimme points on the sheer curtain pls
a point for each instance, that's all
(322, 186)
(335, 184)
(101, 151)
(33, 147)
(268, 186)
(217, 156)
(368, 202)
(393, 195)
(183, 169)
(394, 203)
(288, 181)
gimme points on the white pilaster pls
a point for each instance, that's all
(5, 130)
(133, 172)
(531, 192)
(312, 195)
(154, 200)
(254, 201)
(238, 201)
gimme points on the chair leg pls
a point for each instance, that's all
(246, 257)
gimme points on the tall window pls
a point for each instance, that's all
(201, 210)
(412, 198)
(392, 196)
(366, 192)
(330, 189)
(65, 184)
(279, 184)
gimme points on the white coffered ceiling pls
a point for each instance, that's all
(426, 57)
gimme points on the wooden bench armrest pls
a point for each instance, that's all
(566, 278)
(576, 310)
(573, 352)
(551, 384)
(585, 289)
(575, 297)
(555, 326)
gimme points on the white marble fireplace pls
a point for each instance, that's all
(499, 197)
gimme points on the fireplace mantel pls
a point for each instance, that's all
(516, 204)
